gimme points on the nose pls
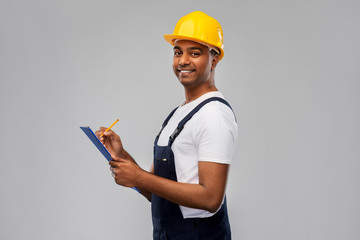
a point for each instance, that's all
(184, 60)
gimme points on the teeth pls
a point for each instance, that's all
(185, 71)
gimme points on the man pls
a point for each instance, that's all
(186, 184)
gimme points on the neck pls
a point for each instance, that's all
(193, 93)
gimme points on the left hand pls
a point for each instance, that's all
(125, 172)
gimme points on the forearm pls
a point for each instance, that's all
(185, 194)
(143, 191)
(208, 194)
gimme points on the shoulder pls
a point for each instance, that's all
(215, 112)
(215, 132)
(214, 119)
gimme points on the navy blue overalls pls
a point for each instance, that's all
(167, 218)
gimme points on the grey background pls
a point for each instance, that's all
(291, 72)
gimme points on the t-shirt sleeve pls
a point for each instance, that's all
(215, 133)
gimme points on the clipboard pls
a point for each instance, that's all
(91, 135)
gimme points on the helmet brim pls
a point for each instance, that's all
(170, 38)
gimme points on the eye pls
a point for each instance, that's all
(195, 54)
(177, 54)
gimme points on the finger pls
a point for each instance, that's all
(119, 160)
(102, 129)
(115, 158)
(98, 134)
(113, 163)
(109, 133)
(117, 164)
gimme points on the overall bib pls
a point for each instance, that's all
(168, 221)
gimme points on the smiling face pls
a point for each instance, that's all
(193, 64)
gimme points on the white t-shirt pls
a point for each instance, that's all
(210, 135)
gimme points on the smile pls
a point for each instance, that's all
(186, 71)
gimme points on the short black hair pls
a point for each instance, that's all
(213, 52)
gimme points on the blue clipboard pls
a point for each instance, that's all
(91, 135)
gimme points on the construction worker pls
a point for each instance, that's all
(193, 151)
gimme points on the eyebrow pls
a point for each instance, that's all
(190, 48)
(195, 48)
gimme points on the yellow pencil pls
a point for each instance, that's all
(109, 127)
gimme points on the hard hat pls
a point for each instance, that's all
(199, 27)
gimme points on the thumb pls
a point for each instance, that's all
(110, 133)
(115, 158)
(118, 159)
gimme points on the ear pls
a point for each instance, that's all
(214, 61)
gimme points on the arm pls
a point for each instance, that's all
(146, 193)
(208, 194)
(113, 144)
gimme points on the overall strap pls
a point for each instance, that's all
(165, 123)
(191, 114)
(168, 117)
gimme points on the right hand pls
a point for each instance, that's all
(111, 141)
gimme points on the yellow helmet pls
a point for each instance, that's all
(199, 27)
